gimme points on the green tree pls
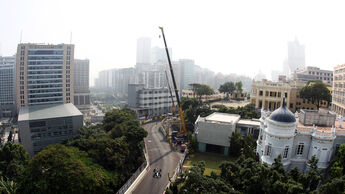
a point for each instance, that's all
(194, 181)
(8, 186)
(335, 185)
(59, 169)
(238, 86)
(316, 92)
(193, 143)
(235, 148)
(227, 88)
(338, 167)
(201, 90)
(248, 147)
(13, 160)
(313, 175)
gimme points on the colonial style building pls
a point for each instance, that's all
(297, 139)
(269, 95)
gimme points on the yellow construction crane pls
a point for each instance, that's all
(184, 132)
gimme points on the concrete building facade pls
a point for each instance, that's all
(81, 85)
(338, 96)
(149, 102)
(213, 132)
(43, 125)
(7, 87)
(313, 74)
(44, 74)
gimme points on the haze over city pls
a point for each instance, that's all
(227, 37)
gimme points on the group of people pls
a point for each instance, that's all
(157, 173)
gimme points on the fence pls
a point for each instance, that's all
(124, 188)
(178, 169)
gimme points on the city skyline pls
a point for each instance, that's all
(229, 40)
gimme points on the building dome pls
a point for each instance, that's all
(283, 114)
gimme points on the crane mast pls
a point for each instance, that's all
(184, 132)
(172, 98)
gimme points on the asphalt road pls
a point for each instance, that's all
(162, 156)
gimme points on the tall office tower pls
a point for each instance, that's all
(296, 55)
(120, 80)
(143, 62)
(7, 86)
(44, 74)
(104, 79)
(187, 67)
(159, 55)
(81, 84)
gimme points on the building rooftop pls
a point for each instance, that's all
(249, 122)
(223, 117)
(47, 111)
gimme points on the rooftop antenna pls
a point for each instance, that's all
(21, 36)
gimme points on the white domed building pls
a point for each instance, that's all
(298, 139)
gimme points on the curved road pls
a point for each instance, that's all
(161, 155)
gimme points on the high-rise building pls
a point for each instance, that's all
(159, 55)
(120, 80)
(81, 84)
(104, 79)
(143, 61)
(296, 56)
(7, 86)
(44, 74)
(338, 96)
(187, 66)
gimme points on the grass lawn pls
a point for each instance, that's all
(212, 161)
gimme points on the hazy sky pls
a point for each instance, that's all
(241, 37)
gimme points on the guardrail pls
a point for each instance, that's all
(129, 182)
(137, 173)
(178, 169)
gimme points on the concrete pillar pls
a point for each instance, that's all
(202, 147)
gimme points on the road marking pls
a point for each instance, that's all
(149, 141)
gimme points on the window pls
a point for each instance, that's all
(260, 93)
(300, 149)
(286, 152)
(268, 150)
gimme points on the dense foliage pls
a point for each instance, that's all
(246, 112)
(201, 90)
(247, 175)
(316, 92)
(229, 87)
(99, 160)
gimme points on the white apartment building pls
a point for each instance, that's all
(149, 102)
